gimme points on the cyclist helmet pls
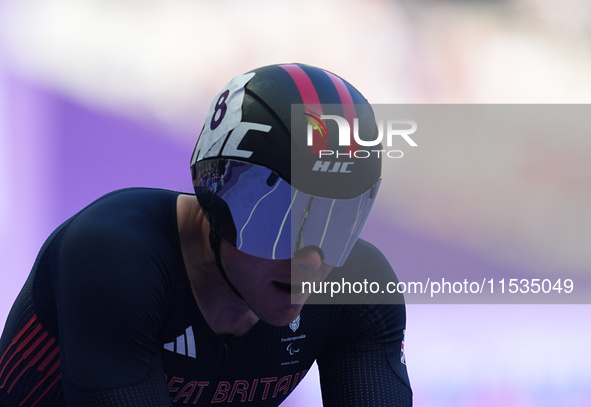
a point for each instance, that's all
(272, 170)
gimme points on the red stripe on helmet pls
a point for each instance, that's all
(310, 99)
(348, 106)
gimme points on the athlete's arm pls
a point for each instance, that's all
(364, 367)
(109, 309)
(364, 364)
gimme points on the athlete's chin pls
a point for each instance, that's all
(277, 305)
(283, 316)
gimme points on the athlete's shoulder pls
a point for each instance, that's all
(124, 228)
(137, 197)
(119, 213)
(363, 247)
(366, 260)
(126, 239)
(363, 279)
(130, 208)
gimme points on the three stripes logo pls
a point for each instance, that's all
(184, 344)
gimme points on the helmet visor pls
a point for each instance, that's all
(261, 214)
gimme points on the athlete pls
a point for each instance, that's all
(154, 298)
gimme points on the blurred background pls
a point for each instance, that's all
(100, 95)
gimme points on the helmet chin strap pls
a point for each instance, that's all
(215, 243)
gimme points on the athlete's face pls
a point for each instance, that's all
(272, 288)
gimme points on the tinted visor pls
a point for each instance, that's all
(259, 213)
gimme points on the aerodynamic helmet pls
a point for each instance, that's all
(276, 167)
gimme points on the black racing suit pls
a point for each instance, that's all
(107, 318)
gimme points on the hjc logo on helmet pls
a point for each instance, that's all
(391, 129)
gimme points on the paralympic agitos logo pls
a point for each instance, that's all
(349, 140)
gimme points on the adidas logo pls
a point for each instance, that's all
(184, 344)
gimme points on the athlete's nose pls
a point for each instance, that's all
(308, 259)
